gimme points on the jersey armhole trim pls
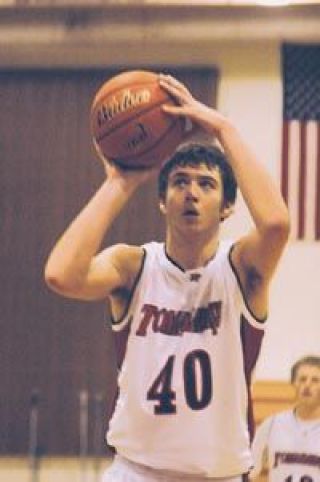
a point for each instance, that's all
(257, 322)
(272, 421)
(118, 324)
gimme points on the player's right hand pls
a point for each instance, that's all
(114, 171)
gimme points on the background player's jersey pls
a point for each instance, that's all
(183, 401)
(291, 448)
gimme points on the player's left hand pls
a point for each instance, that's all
(201, 116)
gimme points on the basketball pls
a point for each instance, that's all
(128, 123)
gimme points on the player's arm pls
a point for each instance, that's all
(113, 268)
(260, 448)
(74, 267)
(256, 255)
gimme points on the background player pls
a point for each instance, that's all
(190, 311)
(288, 444)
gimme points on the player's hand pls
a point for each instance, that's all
(201, 116)
(130, 177)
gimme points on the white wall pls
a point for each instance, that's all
(251, 94)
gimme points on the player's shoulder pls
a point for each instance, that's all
(126, 258)
(284, 416)
(279, 418)
(153, 246)
(223, 252)
(125, 252)
(226, 244)
(153, 250)
(133, 258)
(223, 257)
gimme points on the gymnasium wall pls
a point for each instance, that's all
(251, 94)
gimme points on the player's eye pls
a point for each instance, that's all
(180, 182)
(302, 379)
(207, 184)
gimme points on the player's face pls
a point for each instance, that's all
(307, 385)
(194, 198)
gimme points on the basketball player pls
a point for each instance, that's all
(288, 443)
(189, 313)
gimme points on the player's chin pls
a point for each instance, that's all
(192, 226)
(191, 220)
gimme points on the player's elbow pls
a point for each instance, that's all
(58, 281)
(282, 228)
(54, 280)
(278, 228)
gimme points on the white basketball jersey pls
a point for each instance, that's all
(191, 344)
(292, 448)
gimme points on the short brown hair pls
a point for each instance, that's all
(307, 360)
(194, 154)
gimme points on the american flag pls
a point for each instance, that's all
(300, 169)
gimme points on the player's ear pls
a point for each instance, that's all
(226, 211)
(162, 206)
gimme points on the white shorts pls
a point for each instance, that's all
(123, 470)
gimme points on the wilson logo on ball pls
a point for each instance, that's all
(126, 101)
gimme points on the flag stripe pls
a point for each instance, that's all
(302, 180)
(293, 177)
(317, 181)
(285, 161)
(311, 168)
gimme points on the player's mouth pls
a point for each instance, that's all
(190, 212)
(306, 393)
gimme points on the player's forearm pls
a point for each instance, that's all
(69, 261)
(259, 191)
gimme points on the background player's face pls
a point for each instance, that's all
(307, 385)
(194, 198)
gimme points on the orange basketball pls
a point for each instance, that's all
(128, 123)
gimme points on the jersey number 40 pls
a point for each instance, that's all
(197, 384)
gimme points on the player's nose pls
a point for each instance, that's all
(307, 383)
(192, 192)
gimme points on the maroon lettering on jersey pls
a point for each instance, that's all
(175, 323)
(208, 318)
(296, 458)
(150, 313)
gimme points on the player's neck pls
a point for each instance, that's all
(191, 254)
(307, 412)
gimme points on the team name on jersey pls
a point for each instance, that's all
(296, 458)
(175, 323)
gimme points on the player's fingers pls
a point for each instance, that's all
(184, 110)
(174, 82)
(176, 110)
(182, 95)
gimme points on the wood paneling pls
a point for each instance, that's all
(47, 172)
(271, 396)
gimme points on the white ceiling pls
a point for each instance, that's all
(99, 3)
(95, 32)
